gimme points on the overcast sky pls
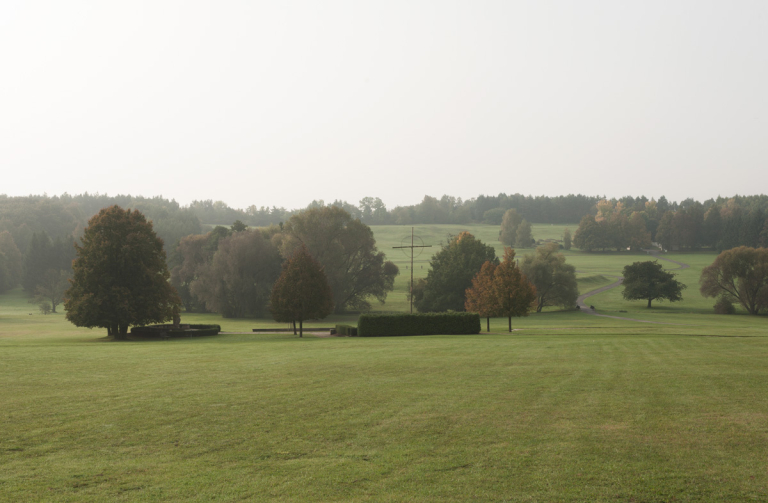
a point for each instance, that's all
(282, 102)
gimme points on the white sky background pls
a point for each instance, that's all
(282, 102)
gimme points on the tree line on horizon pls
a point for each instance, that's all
(32, 226)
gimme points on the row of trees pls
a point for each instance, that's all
(720, 225)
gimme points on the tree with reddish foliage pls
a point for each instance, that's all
(514, 293)
(481, 296)
(120, 275)
(302, 291)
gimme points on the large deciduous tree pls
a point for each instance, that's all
(740, 274)
(649, 281)
(302, 291)
(238, 280)
(481, 296)
(346, 249)
(555, 281)
(451, 272)
(120, 275)
(514, 292)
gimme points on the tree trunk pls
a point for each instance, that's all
(649, 303)
(294, 327)
(122, 334)
(510, 323)
(301, 328)
(487, 323)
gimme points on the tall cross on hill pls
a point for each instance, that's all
(411, 247)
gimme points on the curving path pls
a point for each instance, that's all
(581, 301)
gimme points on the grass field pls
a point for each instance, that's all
(569, 407)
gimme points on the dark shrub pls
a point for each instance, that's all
(346, 330)
(724, 306)
(379, 325)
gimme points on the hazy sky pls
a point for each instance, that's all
(283, 102)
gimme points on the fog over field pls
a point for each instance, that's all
(282, 103)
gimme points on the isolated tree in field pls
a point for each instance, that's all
(740, 274)
(567, 239)
(451, 272)
(51, 290)
(481, 296)
(555, 281)
(524, 236)
(649, 281)
(346, 249)
(302, 291)
(509, 224)
(514, 293)
(120, 275)
(238, 280)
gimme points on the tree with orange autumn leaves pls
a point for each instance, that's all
(500, 290)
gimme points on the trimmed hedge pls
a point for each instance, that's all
(382, 325)
(170, 331)
(346, 330)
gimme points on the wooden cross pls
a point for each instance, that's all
(411, 248)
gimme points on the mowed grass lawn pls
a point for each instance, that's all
(608, 411)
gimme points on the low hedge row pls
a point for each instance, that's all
(382, 325)
(346, 330)
(170, 331)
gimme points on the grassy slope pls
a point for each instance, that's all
(613, 411)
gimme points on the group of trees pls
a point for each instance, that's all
(723, 225)
(466, 275)
(719, 224)
(450, 274)
(121, 277)
(232, 271)
(555, 281)
(515, 230)
(500, 290)
(612, 228)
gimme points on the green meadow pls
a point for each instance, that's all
(568, 407)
